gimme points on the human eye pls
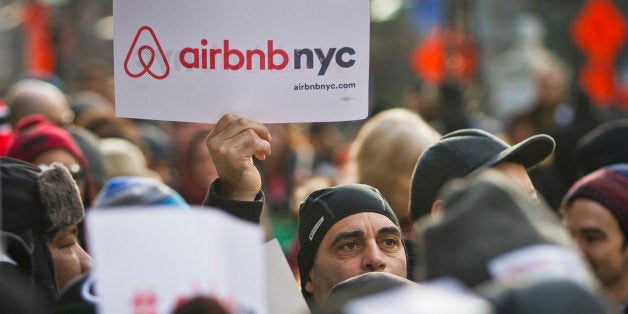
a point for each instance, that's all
(349, 246)
(390, 243)
(593, 238)
(66, 241)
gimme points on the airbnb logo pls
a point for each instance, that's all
(146, 56)
(149, 61)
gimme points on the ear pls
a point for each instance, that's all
(436, 207)
(309, 287)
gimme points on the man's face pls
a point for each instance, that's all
(599, 238)
(69, 258)
(355, 245)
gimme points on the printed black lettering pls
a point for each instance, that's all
(324, 59)
(309, 61)
(340, 53)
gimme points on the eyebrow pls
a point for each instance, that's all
(592, 230)
(347, 235)
(389, 230)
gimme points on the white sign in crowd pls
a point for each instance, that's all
(268, 60)
(151, 260)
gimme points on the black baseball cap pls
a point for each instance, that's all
(462, 152)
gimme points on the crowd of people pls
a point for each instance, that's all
(532, 218)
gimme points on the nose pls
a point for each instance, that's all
(373, 259)
(85, 260)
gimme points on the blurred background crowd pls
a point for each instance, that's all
(512, 68)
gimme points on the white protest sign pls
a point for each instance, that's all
(150, 260)
(284, 294)
(268, 60)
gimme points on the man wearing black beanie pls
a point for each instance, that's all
(344, 231)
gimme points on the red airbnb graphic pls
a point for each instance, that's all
(142, 52)
(145, 302)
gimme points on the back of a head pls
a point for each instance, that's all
(388, 134)
(32, 96)
(605, 145)
(386, 150)
(124, 158)
(485, 218)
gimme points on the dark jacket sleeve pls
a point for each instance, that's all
(249, 211)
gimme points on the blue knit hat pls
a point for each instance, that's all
(131, 191)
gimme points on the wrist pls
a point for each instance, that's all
(231, 191)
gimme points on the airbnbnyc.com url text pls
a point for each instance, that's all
(326, 87)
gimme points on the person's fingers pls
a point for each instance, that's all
(230, 126)
(248, 143)
(231, 131)
(238, 149)
(224, 122)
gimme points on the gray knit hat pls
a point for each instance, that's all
(485, 217)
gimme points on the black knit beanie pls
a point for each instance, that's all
(323, 208)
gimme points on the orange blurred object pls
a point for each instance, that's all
(599, 31)
(445, 54)
(599, 82)
(39, 49)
